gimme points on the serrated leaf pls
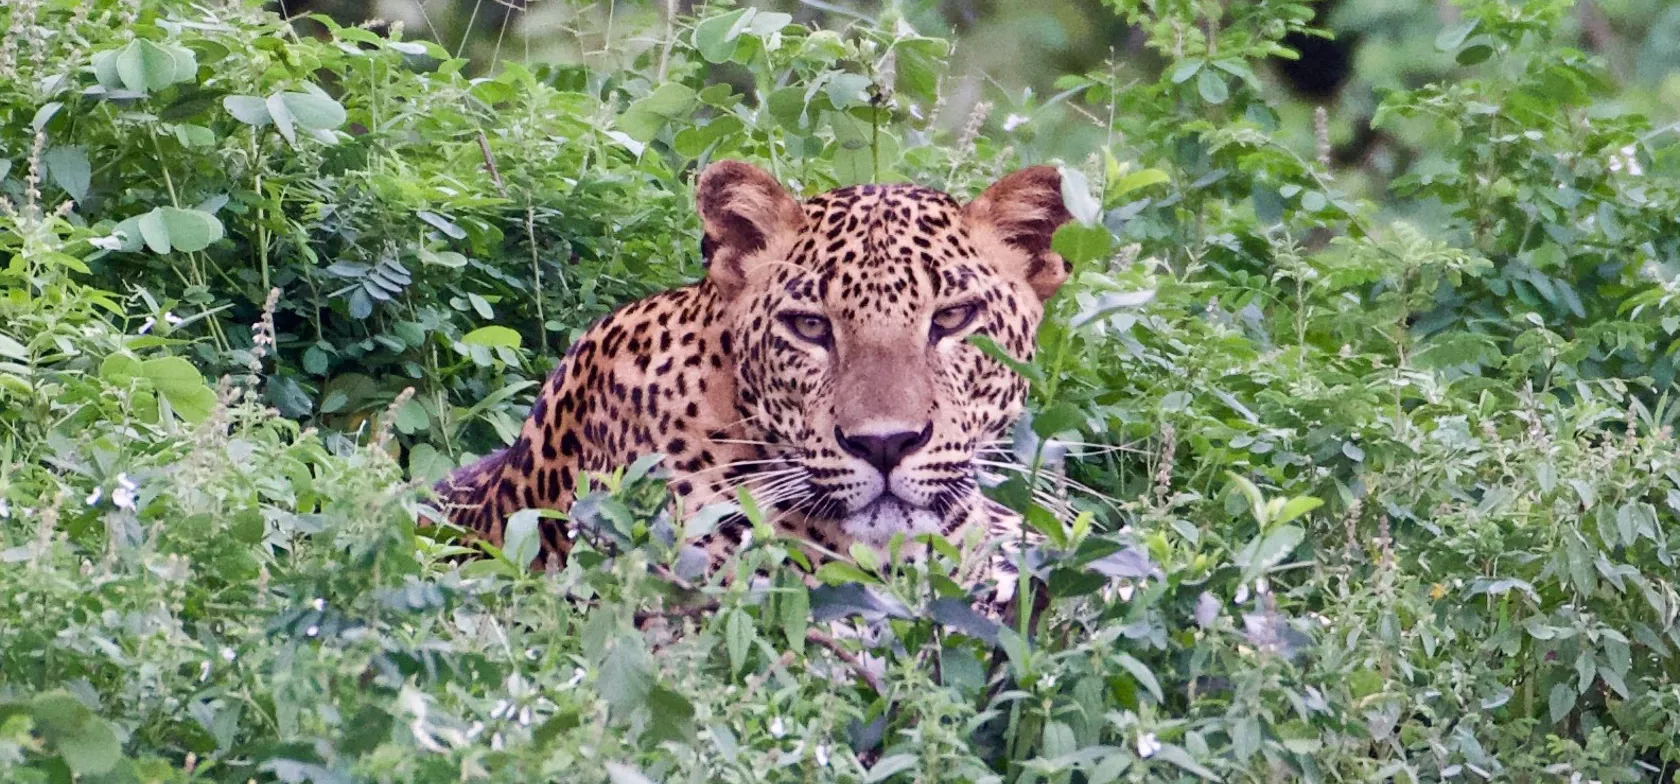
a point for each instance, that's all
(1560, 701)
(85, 741)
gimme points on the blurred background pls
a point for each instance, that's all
(1010, 53)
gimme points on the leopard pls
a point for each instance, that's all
(824, 361)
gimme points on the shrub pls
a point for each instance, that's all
(1335, 483)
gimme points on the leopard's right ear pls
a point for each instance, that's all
(744, 213)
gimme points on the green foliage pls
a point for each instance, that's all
(1330, 490)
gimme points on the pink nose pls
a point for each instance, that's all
(886, 450)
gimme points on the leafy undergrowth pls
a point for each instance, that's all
(1327, 494)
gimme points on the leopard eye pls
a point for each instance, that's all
(809, 327)
(954, 319)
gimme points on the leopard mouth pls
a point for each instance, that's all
(879, 520)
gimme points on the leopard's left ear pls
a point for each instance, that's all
(743, 211)
(1023, 211)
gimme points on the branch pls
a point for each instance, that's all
(851, 659)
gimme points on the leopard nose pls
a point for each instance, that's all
(884, 450)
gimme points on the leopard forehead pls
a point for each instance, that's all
(879, 252)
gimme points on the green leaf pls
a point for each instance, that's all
(186, 230)
(1256, 501)
(314, 110)
(248, 109)
(15, 350)
(176, 379)
(846, 90)
(1212, 86)
(1182, 759)
(1560, 701)
(143, 66)
(85, 742)
(795, 613)
(1140, 671)
(890, 766)
(1297, 506)
(43, 116)
(718, 36)
(282, 117)
(1187, 69)
(1082, 244)
(626, 675)
(840, 573)
(1076, 196)
(1057, 418)
(69, 169)
(1141, 178)
(1477, 52)
(154, 232)
(738, 637)
(1453, 36)
(671, 716)
(991, 349)
(522, 539)
(492, 336)
(1265, 551)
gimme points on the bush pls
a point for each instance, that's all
(1336, 484)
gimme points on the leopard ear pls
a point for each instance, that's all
(1023, 210)
(743, 211)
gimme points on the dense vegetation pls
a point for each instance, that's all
(1343, 479)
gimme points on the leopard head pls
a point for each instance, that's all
(852, 312)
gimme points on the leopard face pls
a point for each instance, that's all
(855, 378)
(822, 363)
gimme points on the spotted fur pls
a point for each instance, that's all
(822, 362)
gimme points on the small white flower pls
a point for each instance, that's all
(173, 319)
(123, 497)
(5, 509)
(1013, 121)
(1261, 586)
(93, 497)
(776, 728)
(146, 326)
(320, 604)
(1148, 745)
(577, 678)
(204, 671)
(1626, 160)
(1125, 590)
(822, 755)
(312, 631)
(525, 716)
(1242, 593)
(228, 654)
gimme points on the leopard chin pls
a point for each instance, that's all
(876, 523)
